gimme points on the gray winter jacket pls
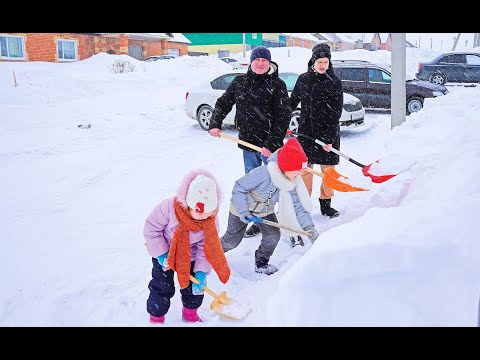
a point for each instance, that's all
(256, 193)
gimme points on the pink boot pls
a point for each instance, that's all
(157, 319)
(190, 315)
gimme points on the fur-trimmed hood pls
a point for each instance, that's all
(181, 194)
(273, 70)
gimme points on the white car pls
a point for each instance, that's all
(234, 63)
(200, 101)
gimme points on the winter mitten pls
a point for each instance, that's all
(197, 289)
(162, 260)
(243, 216)
(313, 233)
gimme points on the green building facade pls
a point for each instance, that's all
(211, 43)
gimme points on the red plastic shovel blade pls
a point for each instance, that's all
(376, 178)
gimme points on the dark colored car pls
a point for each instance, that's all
(451, 67)
(159, 57)
(371, 83)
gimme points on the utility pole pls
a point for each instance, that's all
(244, 46)
(476, 39)
(456, 41)
(398, 85)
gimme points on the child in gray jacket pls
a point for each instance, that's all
(257, 193)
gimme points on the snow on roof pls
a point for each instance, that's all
(345, 38)
(304, 36)
(368, 38)
(384, 37)
(336, 37)
(159, 35)
(179, 37)
(328, 37)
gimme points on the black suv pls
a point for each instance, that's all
(371, 83)
(452, 67)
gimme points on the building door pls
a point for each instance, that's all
(175, 52)
(135, 51)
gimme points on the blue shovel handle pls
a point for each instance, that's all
(254, 219)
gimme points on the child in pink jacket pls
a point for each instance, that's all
(181, 235)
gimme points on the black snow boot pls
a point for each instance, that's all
(262, 266)
(296, 240)
(326, 209)
(252, 231)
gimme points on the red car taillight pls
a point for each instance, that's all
(420, 67)
(186, 95)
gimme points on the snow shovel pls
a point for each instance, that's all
(331, 171)
(330, 179)
(224, 305)
(273, 223)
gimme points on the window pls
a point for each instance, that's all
(473, 60)
(292, 42)
(378, 76)
(254, 36)
(453, 59)
(12, 47)
(302, 43)
(67, 50)
(353, 74)
(223, 81)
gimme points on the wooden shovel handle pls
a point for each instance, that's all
(310, 170)
(281, 226)
(259, 149)
(207, 290)
(244, 143)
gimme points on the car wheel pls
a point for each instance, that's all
(414, 104)
(294, 120)
(204, 115)
(438, 78)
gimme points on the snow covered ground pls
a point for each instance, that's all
(75, 199)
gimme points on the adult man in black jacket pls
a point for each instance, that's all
(262, 111)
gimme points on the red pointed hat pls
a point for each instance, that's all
(291, 156)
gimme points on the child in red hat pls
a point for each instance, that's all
(257, 193)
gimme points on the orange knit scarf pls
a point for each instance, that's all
(179, 256)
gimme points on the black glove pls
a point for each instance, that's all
(313, 233)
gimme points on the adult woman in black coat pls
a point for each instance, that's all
(320, 92)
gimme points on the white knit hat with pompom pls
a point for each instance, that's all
(202, 194)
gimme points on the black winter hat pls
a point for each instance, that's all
(321, 51)
(261, 52)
